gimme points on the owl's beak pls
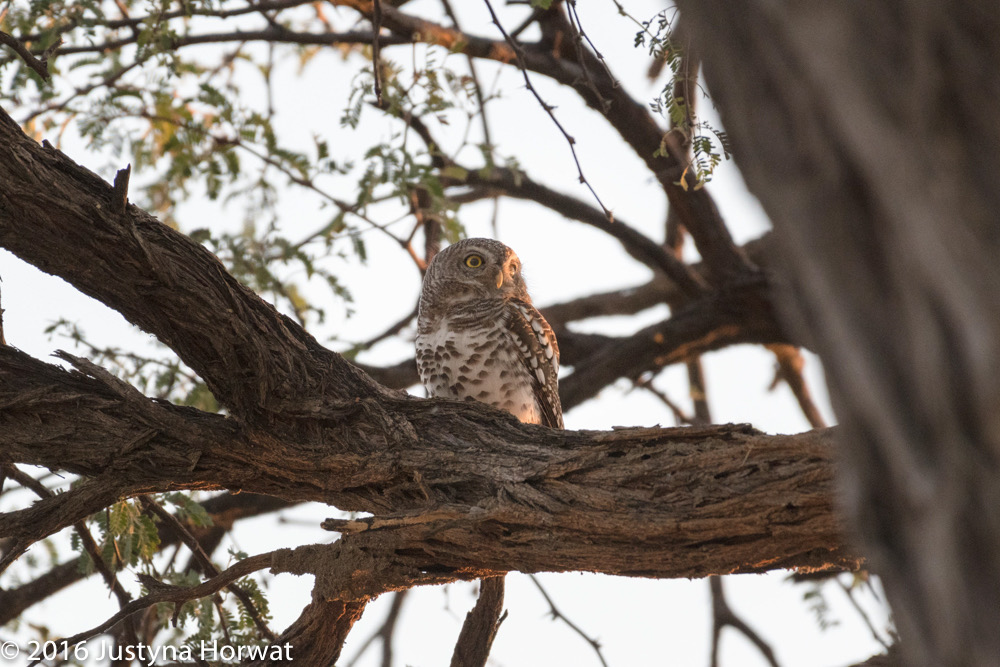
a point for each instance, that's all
(499, 278)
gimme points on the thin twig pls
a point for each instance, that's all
(187, 11)
(477, 87)
(376, 48)
(177, 594)
(3, 341)
(849, 592)
(83, 90)
(208, 567)
(556, 614)
(388, 333)
(647, 384)
(578, 39)
(385, 633)
(548, 109)
(38, 65)
(283, 36)
(790, 366)
(723, 615)
(308, 184)
(699, 393)
(89, 545)
(593, 47)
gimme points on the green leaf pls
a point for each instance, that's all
(190, 510)
(148, 538)
(84, 564)
(120, 519)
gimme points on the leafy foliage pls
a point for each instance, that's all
(128, 538)
(709, 145)
(814, 598)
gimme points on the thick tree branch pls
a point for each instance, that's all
(638, 245)
(318, 634)
(251, 357)
(481, 624)
(730, 316)
(475, 490)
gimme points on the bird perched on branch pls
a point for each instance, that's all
(479, 337)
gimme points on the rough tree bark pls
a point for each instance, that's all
(462, 489)
(871, 135)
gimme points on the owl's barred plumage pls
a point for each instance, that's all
(479, 337)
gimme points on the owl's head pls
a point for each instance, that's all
(476, 269)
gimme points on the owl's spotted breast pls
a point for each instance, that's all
(479, 363)
(480, 338)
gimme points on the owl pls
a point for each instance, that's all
(479, 337)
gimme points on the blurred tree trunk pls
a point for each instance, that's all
(871, 134)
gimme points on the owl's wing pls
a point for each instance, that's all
(540, 354)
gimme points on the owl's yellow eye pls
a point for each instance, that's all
(473, 261)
